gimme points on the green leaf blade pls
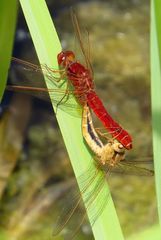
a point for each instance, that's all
(8, 18)
(156, 93)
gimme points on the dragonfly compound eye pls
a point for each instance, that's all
(118, 147)
(65, 58)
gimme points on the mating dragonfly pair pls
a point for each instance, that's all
(109, 156)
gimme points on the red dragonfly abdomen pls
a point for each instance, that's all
(113, 127)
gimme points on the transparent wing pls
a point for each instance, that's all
(28, 78)
(61, 99)
(131, 169)
(35, 71)
(85, 52)
(96, 195)
(141, 160)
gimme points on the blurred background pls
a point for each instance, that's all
(35, 172)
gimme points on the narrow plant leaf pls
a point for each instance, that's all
(156, 93)
(7, 28)
(47, 46)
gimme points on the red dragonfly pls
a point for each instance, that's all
(109, 157)
(80, 77)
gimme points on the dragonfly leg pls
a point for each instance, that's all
(103, 135)
(61, 74)
(66, 95)
(114, 133)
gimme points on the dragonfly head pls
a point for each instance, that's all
(112, 153)
(65, 58)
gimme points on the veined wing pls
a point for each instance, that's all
(28, 78)
(61, 99)
(35, 71)
(85, 52)
(93, 190)
(132, 169)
